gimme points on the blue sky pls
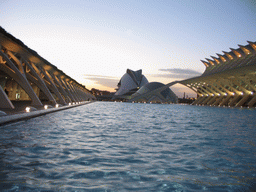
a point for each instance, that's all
(95, 41)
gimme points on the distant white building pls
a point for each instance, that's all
(134, 84)
(130, 82)
(147, 94)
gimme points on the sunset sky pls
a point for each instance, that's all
(95, 41)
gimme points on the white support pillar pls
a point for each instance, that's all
(228, 82)
(21, 79)
(199, 99)
(190, 87)
(71, 90)
(74, 89)
(78, 92)
(252, 101)
(245, 80)
(61, 85)
(222, 87)
(206, 100)
(215, 88)
(5, 102)
(53, 87)
(84, 94)
(218, 100)
(194, 88)
(204, 90)
(225, 101)
(209, 89)
(212, 100)
(234, 100)
(241, 87)
(40, 83)
(242, 101)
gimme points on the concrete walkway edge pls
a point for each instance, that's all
(23, 116)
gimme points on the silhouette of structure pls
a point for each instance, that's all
(27, 77)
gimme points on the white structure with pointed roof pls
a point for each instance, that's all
(130, 82)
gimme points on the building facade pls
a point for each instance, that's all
(229, 79)
(130, 82)
(134, 87)
(26, 77)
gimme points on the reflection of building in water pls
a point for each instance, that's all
(229, 79)
(134, 84)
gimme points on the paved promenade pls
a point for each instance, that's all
(23, 115)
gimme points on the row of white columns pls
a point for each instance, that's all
(234, 91)
(24, 72)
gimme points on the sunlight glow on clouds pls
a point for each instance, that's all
(100, 81)
(177, 73)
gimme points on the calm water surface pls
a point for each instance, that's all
(107, 146)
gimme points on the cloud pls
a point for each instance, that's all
(100, 76)
(106, 81)
(177, 73)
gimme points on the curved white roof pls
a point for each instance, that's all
(166, 95)
(130, 82)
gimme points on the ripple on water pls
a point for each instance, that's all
(108, 146)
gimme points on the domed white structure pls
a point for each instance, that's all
(130, 82)
(146, 94)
